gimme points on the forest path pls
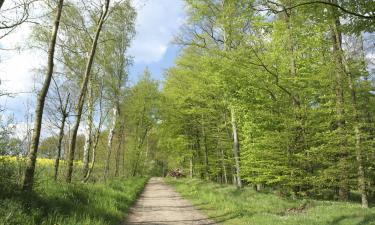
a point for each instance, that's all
(161, 204)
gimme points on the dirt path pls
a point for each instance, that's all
(160, 204)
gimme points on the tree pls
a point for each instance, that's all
(82, 94)
(115, 63)
(13, 14)
(289, 81)
(30, 167)
(140, 114)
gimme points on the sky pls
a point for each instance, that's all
(158, 21)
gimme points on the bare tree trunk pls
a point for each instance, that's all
(191, 167)
(120, 141)
(31, 161)
(88, 133)
(93, 155)
(146, 154)
(110, 141)
(82, 94)
(95, 140)
(59, 145)
(224, 166)
(123, 160)
(64, 114)
(236, 148)
(140, 141)
(205, 157)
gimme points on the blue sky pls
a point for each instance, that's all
(158, 21)
(157, 68)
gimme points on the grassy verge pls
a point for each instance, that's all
(227, 205)
(71, 204)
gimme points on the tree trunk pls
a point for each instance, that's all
(93, 154)
(297, 142)
(82, 94)
(236, 148)
(64, 114)
(95, 141)
(191, 167)
(31, 161)
(361, 172)
(88, 133)
(358, 139)
(110, 142)
(118, 151)
(339, 95)
(59, 145)
(205, 157)
(224, 166)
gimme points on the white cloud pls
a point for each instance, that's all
(16, 71)
(15, 63)
(157, 22)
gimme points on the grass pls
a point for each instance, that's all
(227, 205)
(68, 204)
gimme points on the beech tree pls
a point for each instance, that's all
(294, 81)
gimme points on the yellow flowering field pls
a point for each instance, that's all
(40, 161)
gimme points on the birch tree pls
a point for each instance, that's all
(30, 167)
(83, 90)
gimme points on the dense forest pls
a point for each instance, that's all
(274, 94)
(265, 94)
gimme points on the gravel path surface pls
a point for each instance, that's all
(161, 204)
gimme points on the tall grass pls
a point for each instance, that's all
(227, 205)
(64, 204)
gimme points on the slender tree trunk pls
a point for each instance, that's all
(135, 168)
(198, 149)
(123, 159)
(111, 133)
(138, 150)
(206, 166)
(82, 94)
(88, 133)
(59, 145)
(224, 166)
(358, 139)
(236, 148)
(93, 155)
(191, 165)
(339, 76)
(31, 161)
(95, 139)
(138, 147)
(64, 114)
(118, 151)
(297, 143)
(236, 145)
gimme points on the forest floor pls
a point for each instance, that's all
(161, 204)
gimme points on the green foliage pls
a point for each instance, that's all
(140, 116)
(298, 97)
